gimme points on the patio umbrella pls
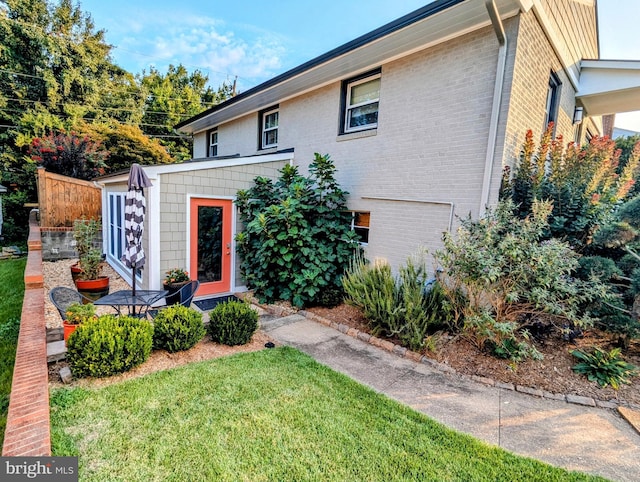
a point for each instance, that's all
(134, 211)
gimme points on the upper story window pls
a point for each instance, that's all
(269, 128)
(361, 98)
(553, 101)
(213, 143)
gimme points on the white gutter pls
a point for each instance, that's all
(495, 109)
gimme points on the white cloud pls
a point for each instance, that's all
(207, 44)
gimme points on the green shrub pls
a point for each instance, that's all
(604, 368)
(177, 328)
(399, 306)
(373, 289)
(509, 272)
(233, 323)
(109, 345)
(297, 239)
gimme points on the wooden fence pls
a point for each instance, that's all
(62, 199)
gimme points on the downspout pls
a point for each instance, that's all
(497, 100)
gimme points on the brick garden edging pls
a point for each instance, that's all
(419, 358)
(28, 431)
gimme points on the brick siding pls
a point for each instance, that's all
(28, 431)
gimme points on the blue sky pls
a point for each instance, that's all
(255, 40)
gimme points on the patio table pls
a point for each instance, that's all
(143, 298)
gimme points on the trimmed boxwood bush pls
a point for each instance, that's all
(177, 328)
(109, 345)
(233, 323)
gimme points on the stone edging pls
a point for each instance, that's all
(419, 358)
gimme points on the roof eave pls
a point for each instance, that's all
(432, 24)
(609, 86)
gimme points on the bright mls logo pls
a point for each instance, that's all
(53, 469)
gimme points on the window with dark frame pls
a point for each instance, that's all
(269, 120)
(213, 143)
(360, 225)
(360, 102)
(552, 104)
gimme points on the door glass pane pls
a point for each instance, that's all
(209, 244)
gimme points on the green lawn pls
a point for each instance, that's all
(11, 295)
(269, 415)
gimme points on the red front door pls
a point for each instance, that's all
(211, 244)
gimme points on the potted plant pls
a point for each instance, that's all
(175, 279)
(90, 283)
(77, 313)
(85, 232)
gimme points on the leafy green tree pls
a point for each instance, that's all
(296, 241)
(55, 70)
(174, 97)
(126, 145)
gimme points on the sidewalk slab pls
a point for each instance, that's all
(631, 416)
(576, 437)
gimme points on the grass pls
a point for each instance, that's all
(269, 415)
(11, 295)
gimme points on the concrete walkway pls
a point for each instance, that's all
(593, 440)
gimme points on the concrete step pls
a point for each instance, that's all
(56, 351)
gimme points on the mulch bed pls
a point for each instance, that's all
(553, 373)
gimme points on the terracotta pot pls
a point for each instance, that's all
(93, 288)
(76, 270)
(68, 329)
(173, 298)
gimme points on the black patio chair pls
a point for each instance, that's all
(187, 292)
(62, 297)
(185, 295)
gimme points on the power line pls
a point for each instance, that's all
(111, 46)
(92, 119)
(122, 109)
(132, 90)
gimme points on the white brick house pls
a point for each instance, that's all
(419, 116)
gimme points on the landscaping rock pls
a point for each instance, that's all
(581, 400)
(65, 375)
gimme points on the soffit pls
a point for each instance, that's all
(609, 86)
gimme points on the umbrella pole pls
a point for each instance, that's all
(133, 279)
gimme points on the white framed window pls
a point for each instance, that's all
(360, 224)
(361, 104)
(115, 242)
(115, 228)
(269, 128)
(213, 143)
